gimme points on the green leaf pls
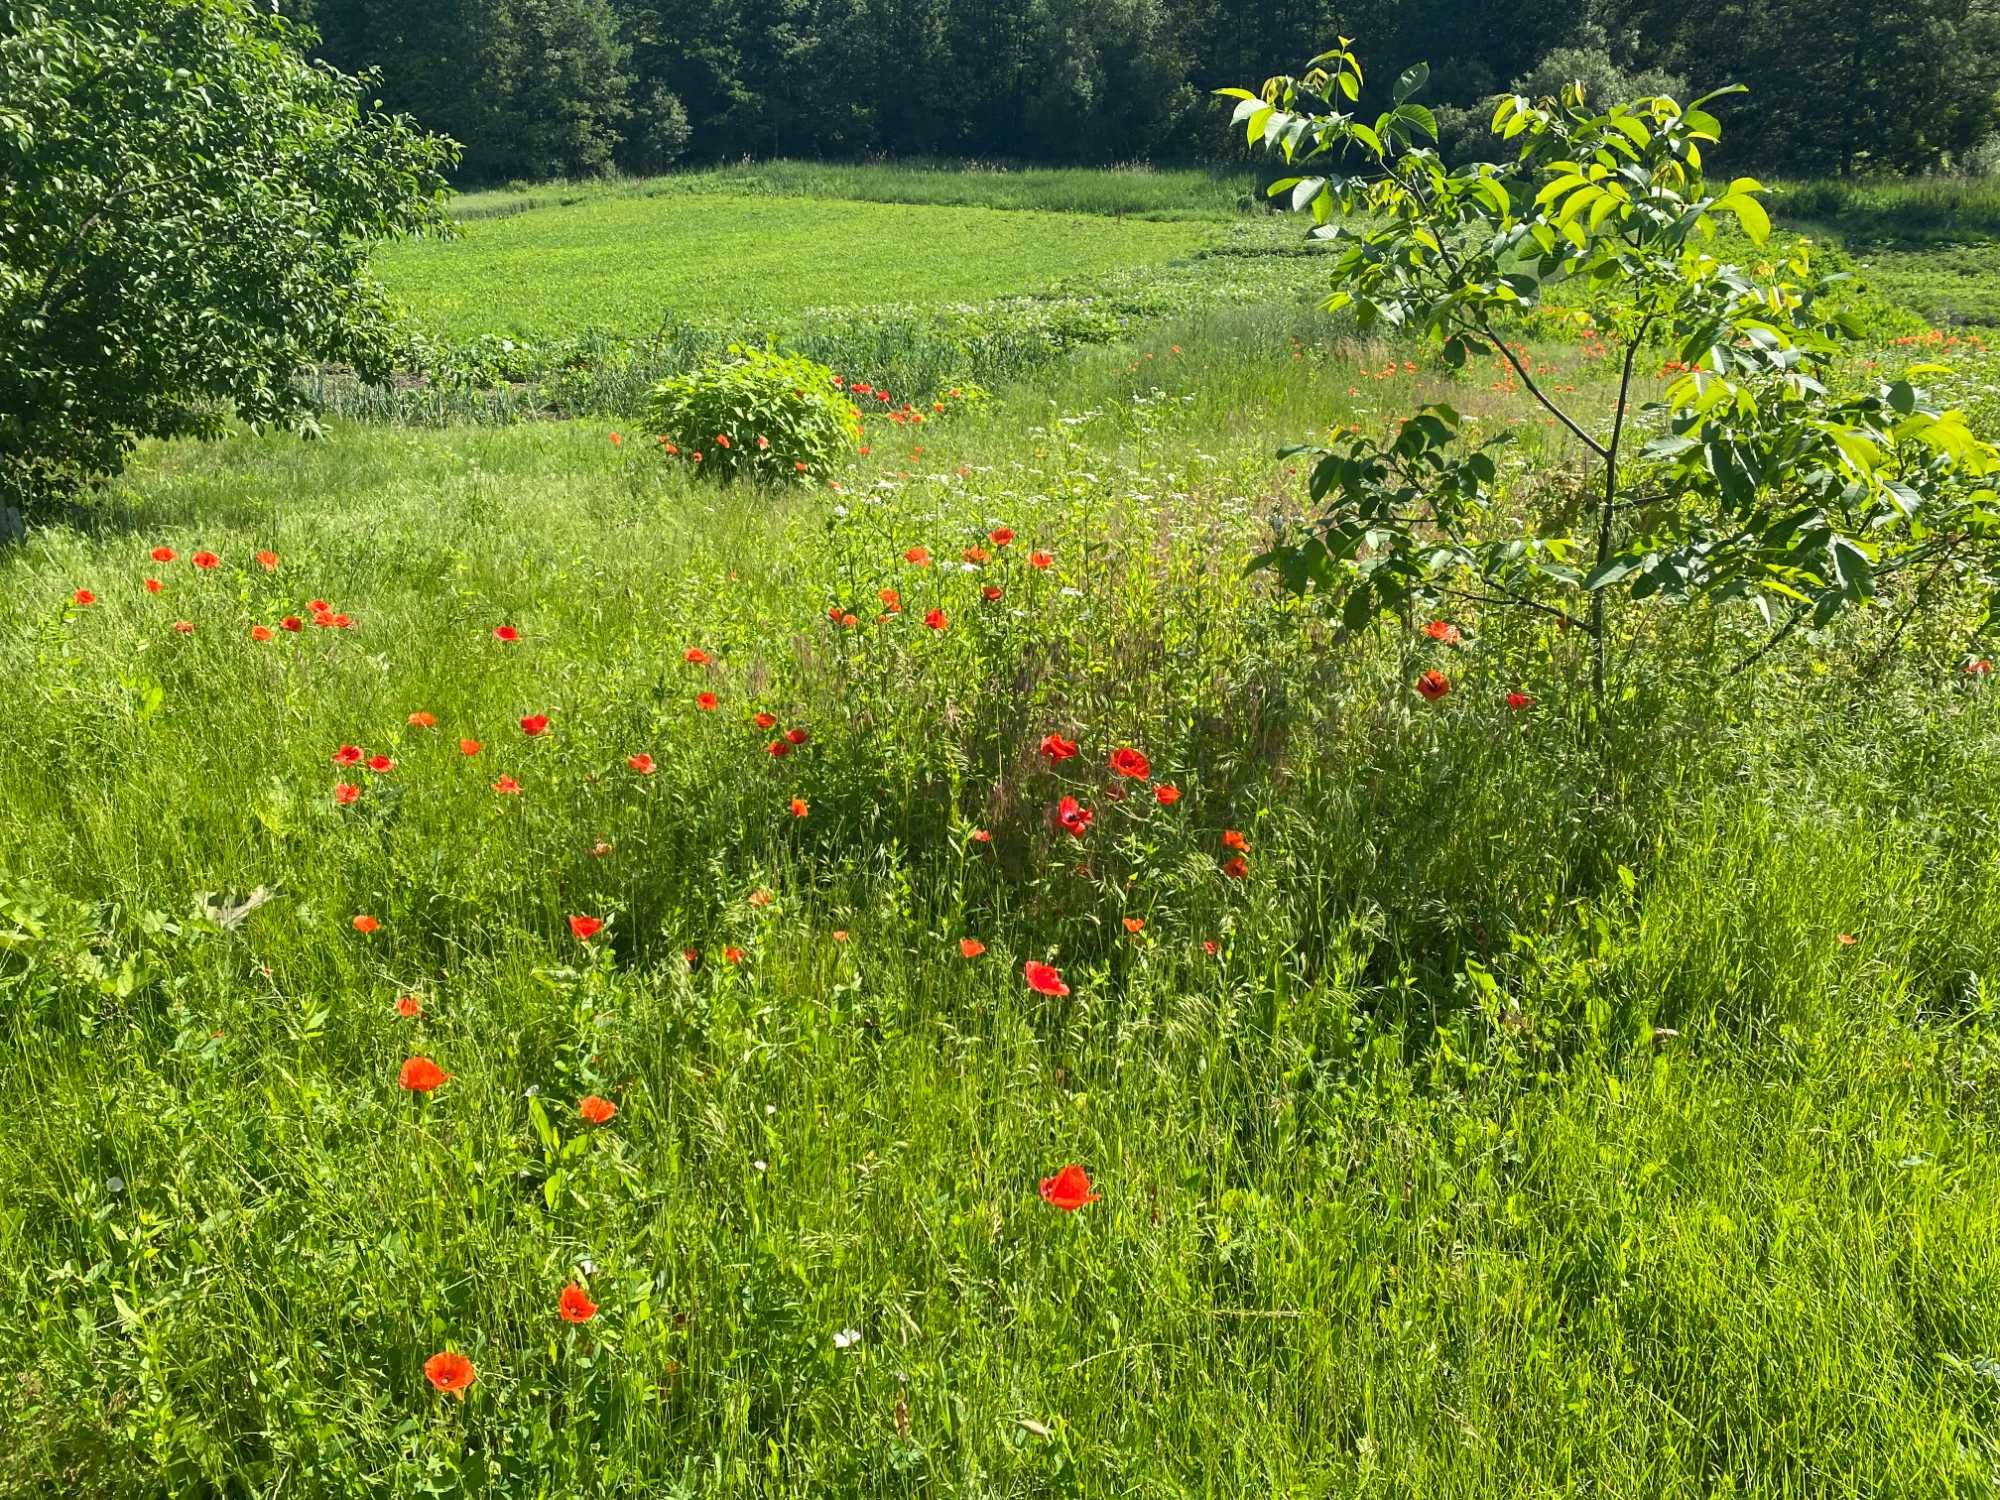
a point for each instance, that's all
(1412, 78)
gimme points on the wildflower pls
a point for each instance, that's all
(797, 736)
(977, 555)
(970, 947)
(468, 747)
(506, 633)
(292, 623)
(1237, 868)
(1519, 701)
(1074, 817)
(349, 755)
(84, 597)
(1166, 794)
(1846, 940)
(1040, 560)
(365, 924)
(721, 441)
(992, 593)
(1069, 1189)
(778, 749)
(920, 556)
(1056, 748)
(1433, 685)
(185, 627)
(615, 439)
(163, 554)
(507, 786)
(892, 601)
(534, 724)
(595, 1111)
(1980, 668)
(345, 795)
(694, 656)
(153, 585)
(1441, 630)
(450, 1373)
(423, 720)
(799, 808)
(762, 443)
(691, 956)
(575, 1305)
(206, 560)
(981, 836)
(1043, 979)
(268, 561)
(706, 702)
(420, 1075)
(763, 720)
(1210, 947)
(1231, 839)
(936, 620)
(586, 928)
(1135, 925)
(760, 897)
(1000, 536)
(409, 1007)
(1129, 762)
(641, 763)
(381, 765)
(733, 955)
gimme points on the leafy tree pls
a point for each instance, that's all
(186, 208)
(1751, 480)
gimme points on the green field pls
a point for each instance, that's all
(1556, 1101)
(635, 262)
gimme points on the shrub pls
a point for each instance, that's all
(768, 415)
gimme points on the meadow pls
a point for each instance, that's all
(1494, 1094)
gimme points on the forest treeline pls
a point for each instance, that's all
(542, 88)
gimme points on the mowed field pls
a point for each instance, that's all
(635, 262)
(483, 891)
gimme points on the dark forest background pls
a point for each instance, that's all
(544, 88)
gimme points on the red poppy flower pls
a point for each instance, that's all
(706, 702)
(936, 620)
(292, 623)
(764, 721)
(1166, 794)
(349, 755)
(1442, 630)
(345, 795)
(892, 600)
(153, 585)
(1069, 1189)
(1210, 947)
(1846, 939)
(1519, 701)
(1433, 685)
(586, 928)
(1040, 560)
(268, 561)
(976, 555)
(84, 597)
(797, 736)
(840, 934)
(338, 622)
(381, 765)
(919, 555)
(409, 1007)
(1129, 762)
(1237, 868)
(1135, 925)
(1043, 979)
(506, 633)
(185, 627)
(1981, 668)
(260, 633)
(848, 622)
(1231, 839)
(970, 947)
(1056, 748)
(1000, 536)
(420, 1075)
(691, 956)
(163, 554)
(695, 656)
(365, 924)
(642, 763)
(423, 720)
(615, 439)
(733, 955)
(468, 747)
(1074, 817)
(318, 607)
(575, 1305)
(535, 724)
(799, 808)
(721, 440)
(981, 836)
(206, 560)
(992, 593)
(759, 897)
(762, 442)
(595, 1111)
(778, 749)
(507, 786)
(450, 1373)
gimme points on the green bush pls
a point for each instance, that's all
(757, 412)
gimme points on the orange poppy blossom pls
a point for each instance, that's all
(586, 928)
(595, 1110)
(1069, 1189)
(1044, 979)
(970, 947)
(450, 1373)
(365, 924)
(575, 1305)
(1433, 685)
(409, 1007)
(419, 1075)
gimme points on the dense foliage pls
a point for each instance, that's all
(779, 418)
(186, 209)
(539, 86)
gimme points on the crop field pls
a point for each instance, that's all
(634, 263)
(526, 971)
